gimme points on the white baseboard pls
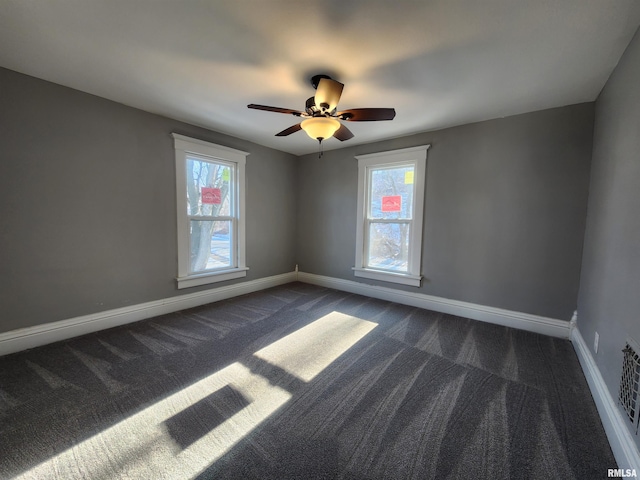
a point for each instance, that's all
(620, 439)
(508, 318)
(30, 337)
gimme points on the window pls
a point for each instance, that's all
(210, 194)
(390, 209)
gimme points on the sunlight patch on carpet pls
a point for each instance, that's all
(144, 444)
(309, 350)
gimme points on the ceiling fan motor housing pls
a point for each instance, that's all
(310, 106)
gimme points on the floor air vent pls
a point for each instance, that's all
(630, 382)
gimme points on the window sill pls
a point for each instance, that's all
(401, 278)
(211, 277)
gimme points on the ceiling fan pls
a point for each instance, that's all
(321, 118)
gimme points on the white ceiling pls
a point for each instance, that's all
(437, 62)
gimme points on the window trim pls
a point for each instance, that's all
(185, 146)
(413, 155)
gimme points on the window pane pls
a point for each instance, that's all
(208, 188)
(210, 245)
(391, 192)
(389, 246)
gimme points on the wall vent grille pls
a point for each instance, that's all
(629, 396)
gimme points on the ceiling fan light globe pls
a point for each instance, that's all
(320, 127)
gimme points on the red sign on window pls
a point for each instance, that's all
(392, 203)
(211, 196)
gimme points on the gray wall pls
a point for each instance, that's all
(87, 207)
(609, 300)
(504, 216)
(87, 204)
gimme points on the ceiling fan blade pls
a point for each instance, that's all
(328, 94)
(367, 114)
(343, 133)
(289, 131)
(297, 113)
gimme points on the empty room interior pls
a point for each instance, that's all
(341, 239)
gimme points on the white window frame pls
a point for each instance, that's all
(185, 147)
(416, 156)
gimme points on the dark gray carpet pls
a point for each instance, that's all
(301, 382)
